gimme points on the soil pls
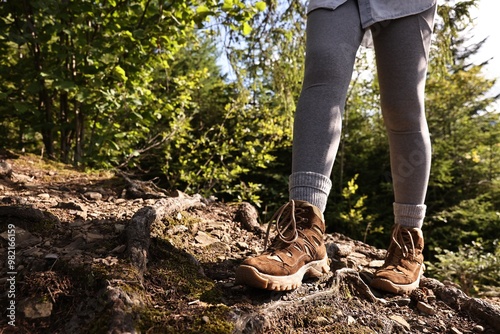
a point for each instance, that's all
(100, 252)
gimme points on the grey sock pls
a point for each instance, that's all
(409, 215)
(311, 187)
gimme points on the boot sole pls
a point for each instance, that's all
(250, 276)
(398, 289)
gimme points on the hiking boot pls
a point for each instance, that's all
(403, 265)
(297, 251)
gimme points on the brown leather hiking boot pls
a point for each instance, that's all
(404, 262)
(298, 250)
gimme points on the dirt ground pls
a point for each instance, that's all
(104, 253)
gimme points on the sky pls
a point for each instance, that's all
(486, 25)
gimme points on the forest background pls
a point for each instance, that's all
(137, 86)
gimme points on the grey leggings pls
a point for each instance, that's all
(401, 48)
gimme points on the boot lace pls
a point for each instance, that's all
(284, 221)
(403, 241)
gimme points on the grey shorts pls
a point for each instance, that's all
(372, 11)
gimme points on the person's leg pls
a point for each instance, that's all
(333, 38)
(402, 49)
(298, 250)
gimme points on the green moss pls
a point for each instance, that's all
(183, 218)
(207, 320)
(159, 228)
(212, 296)
(218, 321)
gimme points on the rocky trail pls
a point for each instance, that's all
(103, 253)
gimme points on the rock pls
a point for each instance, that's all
(248, 216)
(15, 200)
(21, 178)
(400, 320)
(351, 320)
(204, 239)
(70, 206)
(344, 250)
(119, 249)
(44, 196)
(119, 228)
(51, 257)
(242, 245)
(357, 260)
(425, 308)
(77, 243)
(5, 169)
(401, 301)
(320, 321)
(93, 237)
(93, 195)
(478, 329)
(331, 249)
(376, 263)
(177, 229)
(34, 308)
(23, 238)
(216, 226)
(205, 319)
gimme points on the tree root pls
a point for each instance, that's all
(458, 300)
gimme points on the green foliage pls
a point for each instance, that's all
(464, 223)
(472, 266)
(352, 216)
(107, 84)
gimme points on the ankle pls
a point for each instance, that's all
(409, 215)
(310, 187)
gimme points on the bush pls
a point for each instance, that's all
(470, 267)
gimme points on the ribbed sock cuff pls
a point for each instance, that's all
(311, 187)
(409, 215)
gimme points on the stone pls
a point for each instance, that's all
(220, 247)
(23, 238)
(177, 229)
(34, 308)
(70, 206)
(376, 263)
(79, 214)
(93, 237)
(119, 249)
(331, 249)
(204, 239)
(401, 301)
(247, 215)
(93, 195)
(119, 228)
(478, 329)
(242, 245)
(212, 226)
(425, 308)
(344, 250)
(400, 320)
(320, 321)
(5, 168)
(44, 196)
